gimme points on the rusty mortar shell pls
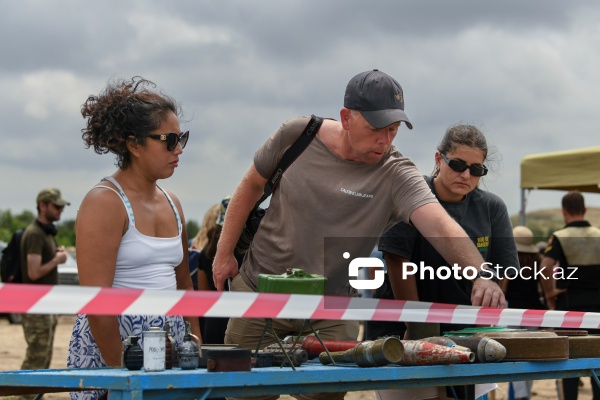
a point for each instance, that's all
(374, 353)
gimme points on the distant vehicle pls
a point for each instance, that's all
(67, 272)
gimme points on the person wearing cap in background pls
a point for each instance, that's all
(523, 290)
(40, 256)
(349, 181)
(571, 268)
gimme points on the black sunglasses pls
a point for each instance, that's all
(172, 139)
(461, 166)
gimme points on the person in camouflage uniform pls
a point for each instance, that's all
(40, 257)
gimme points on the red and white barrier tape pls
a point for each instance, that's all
(47, 299)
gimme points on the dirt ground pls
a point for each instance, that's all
(12, 350)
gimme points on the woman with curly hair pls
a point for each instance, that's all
(130, 232)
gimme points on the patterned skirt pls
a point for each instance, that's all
(84, 353)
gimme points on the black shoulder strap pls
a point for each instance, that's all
(291, 154)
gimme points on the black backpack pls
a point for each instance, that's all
(10, 265)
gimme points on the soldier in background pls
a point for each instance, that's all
(574, 284)
(40, 257)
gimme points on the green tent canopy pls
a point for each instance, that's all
(562, 170)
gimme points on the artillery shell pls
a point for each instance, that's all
(487, 350)
(418, 352)
(374, 353)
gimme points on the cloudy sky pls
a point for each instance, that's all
(526, 72)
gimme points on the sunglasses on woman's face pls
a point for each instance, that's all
(461, 166)
(172, 139)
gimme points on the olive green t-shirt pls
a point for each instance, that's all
(36, 241)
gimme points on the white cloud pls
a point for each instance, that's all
(47, 92)
(527, 73)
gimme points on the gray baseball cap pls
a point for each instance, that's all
(378, 97)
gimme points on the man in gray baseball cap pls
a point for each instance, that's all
(352, 165)
(378, 97)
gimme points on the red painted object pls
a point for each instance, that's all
(313, 347)
(418, 352)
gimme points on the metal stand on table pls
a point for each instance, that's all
(294, 280)
(269, 330)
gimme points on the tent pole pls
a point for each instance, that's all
(522, 212)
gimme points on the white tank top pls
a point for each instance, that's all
(146, 262)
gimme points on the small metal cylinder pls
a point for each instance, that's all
(154, 349)
(379, 352)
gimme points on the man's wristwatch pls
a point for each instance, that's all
(487, 274)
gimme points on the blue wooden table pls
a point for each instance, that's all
(178, 384)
